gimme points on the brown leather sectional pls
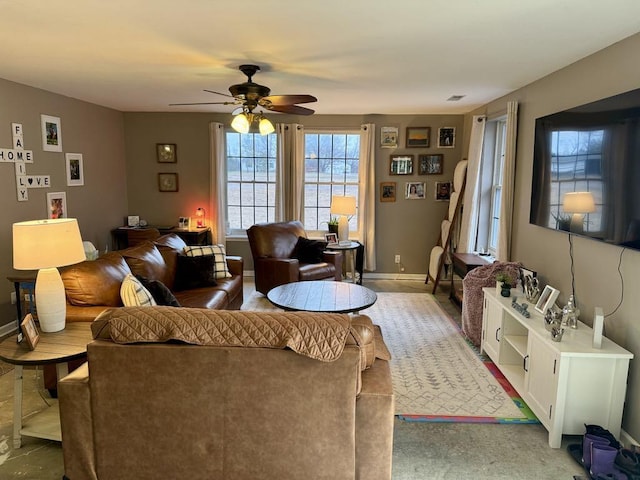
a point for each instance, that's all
(92, 286)
(230, 395)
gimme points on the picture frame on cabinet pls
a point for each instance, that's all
(547, 299)
(30, 331)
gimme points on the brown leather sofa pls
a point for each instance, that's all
(92, 286)
(273, 248)
(229, 395)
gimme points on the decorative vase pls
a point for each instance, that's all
(505, 290)
(333, 228)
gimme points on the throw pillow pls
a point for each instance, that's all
(218, 251)
(159, 291)
(195, 272)
(133, 293)
(309, 251)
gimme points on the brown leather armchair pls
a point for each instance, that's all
(272, 247)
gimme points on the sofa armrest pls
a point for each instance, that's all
(271, 272)
(235, 264)
(84, 314)
(76, 423)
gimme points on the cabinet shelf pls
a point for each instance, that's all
(518, 342)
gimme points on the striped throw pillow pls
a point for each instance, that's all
(134, 294)
(218, 251)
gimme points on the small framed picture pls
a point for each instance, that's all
(30, 331)
(75, 169)
(387, 191)
(388, 137)
(57, 205)
(51, 133)
(547, 299)
(415, 190)
(331, 238)
(447, 137)
(443, 191)
(168, 182)
(418, 137)
(401, 165)
(166, 153)
(184, 222)
(430, 164)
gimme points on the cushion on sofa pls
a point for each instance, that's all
(159, 291)
(95, 282)
(309, 251)
(218, 251)
(170, 246)
(134, 294)
(145, 260)
(195, 272)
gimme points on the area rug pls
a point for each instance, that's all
(437, 376)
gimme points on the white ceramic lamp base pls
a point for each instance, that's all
(50, 300)
(343, 228)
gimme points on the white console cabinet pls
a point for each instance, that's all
(566, 384)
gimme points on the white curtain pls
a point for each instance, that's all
(508, 178)
(469, 223)
(296, 171)
(367, 194)
(217, 182)
(281, 154)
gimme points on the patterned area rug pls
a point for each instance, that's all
(437, 375)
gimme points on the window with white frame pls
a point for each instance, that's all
(251, 180)
(331, 167)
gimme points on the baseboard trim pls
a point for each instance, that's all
(372, 276)
(8, 329)
(627, 440)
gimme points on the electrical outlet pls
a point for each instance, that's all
(13, 298)
(397, 260)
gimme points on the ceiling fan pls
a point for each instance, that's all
(249, 96)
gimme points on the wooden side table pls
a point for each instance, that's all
(350, 247)
(53, 348)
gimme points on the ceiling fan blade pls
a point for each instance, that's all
(204, 103)
(288, 99)
(293, 109)
(219, 93)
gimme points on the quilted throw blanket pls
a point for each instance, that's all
(315, 335)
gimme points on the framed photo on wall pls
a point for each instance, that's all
(75, 169)
(443, 191)
(387, 191)
(401, 165)
(57, 205)
(447, 137)
(415, 190)
(168, 182)
(388, 137)
(418, 137)
(430, 164)
(167, 152)
(51, 133)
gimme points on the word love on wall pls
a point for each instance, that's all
(20, 157)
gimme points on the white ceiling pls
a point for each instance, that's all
(355, 56)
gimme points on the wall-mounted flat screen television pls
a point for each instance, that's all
(586, 170)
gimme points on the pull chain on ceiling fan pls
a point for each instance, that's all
(250, 95)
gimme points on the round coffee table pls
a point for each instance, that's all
(322, 296)
(57, 348)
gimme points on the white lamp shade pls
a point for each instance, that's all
(265, 126)
(45, 245)
(343, 205)
(578, 202)
(241, 123)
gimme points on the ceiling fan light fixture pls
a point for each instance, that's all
(265, 126)
(241, 123)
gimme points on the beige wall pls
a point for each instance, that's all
(597, 281)
(406, 227)
(94, 131)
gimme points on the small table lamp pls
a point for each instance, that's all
(343, 206)
(44, 245)
(578, 203)
(200, 217)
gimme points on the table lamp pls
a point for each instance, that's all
(200, 217)
(344, 207)
(577, 204)
(44, 245)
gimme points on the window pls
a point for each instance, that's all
(251, 180)
(331, 167)
(496, 186)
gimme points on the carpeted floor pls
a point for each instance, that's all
(437, 376)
